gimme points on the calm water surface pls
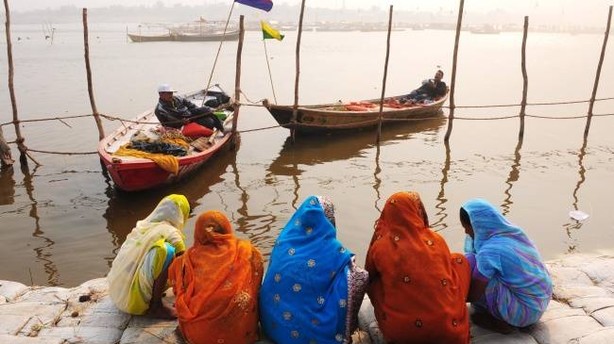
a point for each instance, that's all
(63, 222)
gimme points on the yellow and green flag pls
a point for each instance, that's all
(269, 33)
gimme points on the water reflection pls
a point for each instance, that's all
(44, 252)
(126, 208)
(574, 225)
(513, 177)
(441, 214)
(311, 151)
(377, 181)
(7, 186)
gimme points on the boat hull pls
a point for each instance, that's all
(135, 174)
(186, 37)
(314, 119)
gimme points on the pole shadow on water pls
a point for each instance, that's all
(512, 177)
(575, 225)
(43, 252)
(441, 214)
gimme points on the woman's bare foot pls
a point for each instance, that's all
(160, 311)
(489, 322)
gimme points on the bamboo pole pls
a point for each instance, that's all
(237, 102)
(598, 74)
(525, 81)
(459, 23)
(298, 71)
(90, 89)
(381, 102)
(23, 150)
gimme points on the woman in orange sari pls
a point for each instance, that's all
(417, 287)
(216, 284)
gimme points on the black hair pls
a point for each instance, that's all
(464, 218)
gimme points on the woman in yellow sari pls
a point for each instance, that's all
(138, 276)
(216, 284)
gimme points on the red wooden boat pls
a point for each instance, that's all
(134, 173)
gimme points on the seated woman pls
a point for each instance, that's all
(417, 287)
(138, 274)
(312, 290)
(510, 286)
(216, 284)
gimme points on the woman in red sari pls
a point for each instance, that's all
(216, 284)
(417, 287)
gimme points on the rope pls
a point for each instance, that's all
(219, 48)
(252, 102)
(61, 153)
(531, 104)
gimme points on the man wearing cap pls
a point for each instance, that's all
(174, 111)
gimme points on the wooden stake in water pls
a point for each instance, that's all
(525, 81)
(89, 77)
(9, 52)
(598, 74)
(381, 100)
(459, 23)
(237, 103)
(298, 70)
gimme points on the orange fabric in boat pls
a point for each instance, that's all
(351, 107)
(417, 287)
(216, 284)
(165, 161)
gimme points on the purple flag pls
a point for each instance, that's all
(264, 5)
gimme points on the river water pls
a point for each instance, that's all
(63, 222)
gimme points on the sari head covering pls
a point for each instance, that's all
(519, 287)
(133, 271)
(417, 287)
(304, 297)
(216, 284)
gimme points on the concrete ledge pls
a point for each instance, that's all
(582, 311)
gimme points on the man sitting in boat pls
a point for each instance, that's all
(174, 111)
(429, 91)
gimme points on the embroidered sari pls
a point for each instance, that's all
(216, 284)
(146, 252)
(519, 287)
(417, 287)
(312, 290)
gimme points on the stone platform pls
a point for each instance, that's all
(581, 312)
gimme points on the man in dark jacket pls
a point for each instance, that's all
(430, 90)
(174, 111)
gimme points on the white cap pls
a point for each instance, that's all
(165, 88)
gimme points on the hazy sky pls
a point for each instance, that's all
(590, 12)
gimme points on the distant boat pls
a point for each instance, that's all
(485, 29)
(197, 31)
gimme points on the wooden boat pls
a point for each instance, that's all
(177, 36)
(134, 173)
(313, 119)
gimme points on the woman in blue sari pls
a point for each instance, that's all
(510, 286)
(312, 289)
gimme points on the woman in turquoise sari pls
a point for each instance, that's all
(312, 289)
(510, 286)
